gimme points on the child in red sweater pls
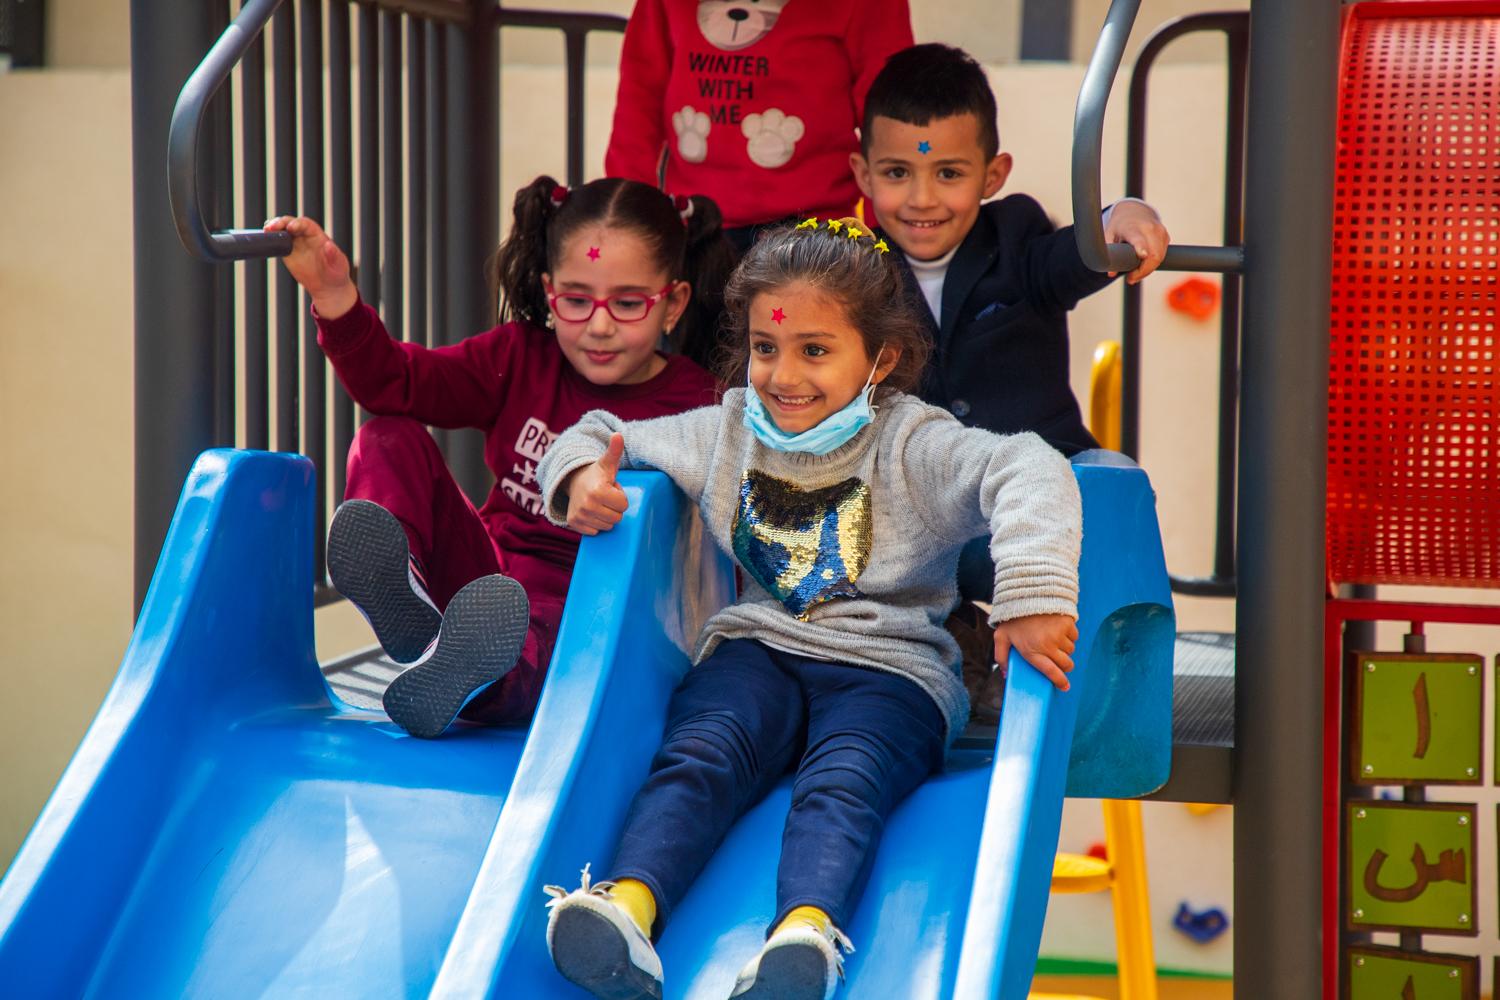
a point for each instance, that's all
(593, 281)
(754, 103)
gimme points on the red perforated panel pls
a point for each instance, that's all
(1414, 392)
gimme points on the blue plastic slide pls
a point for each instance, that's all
(227, 828)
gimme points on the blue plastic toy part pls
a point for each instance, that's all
(1122, 747)
(1202, 925)
(638, 599)
(1124, 635)
(227, 828)
(959, 890)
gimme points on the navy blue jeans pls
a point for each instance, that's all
(860, 740)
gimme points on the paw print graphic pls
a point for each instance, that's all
(692, 134)
(772, 137)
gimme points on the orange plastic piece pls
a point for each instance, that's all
(1196, 297)
(1414, 384)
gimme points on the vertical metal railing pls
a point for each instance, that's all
(381, 199)
(341, 205)
(367, 116)
(314, 369)
(284, 186)
(393, 197)
(257, 322)
(416, 174)
(1236, 29)
(575, 29)
(23, 28)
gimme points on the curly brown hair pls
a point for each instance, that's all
(841, 259)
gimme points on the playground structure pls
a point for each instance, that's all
(1273, 498)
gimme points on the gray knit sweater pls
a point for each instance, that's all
(851, 556)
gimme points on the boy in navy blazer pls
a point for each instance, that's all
(997, 278)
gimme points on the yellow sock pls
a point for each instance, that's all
(634, 898)
(809, 915)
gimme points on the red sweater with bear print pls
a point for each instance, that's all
(756, 103)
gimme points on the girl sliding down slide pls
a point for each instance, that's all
(593, 281)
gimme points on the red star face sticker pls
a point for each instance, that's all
(777, 315)
(593, 253)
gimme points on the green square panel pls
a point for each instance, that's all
(1388, 974)
(1410, 867)
(1418, 719)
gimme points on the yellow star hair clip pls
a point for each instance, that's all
(882, 247)
(809, 224)
(854, 234)
(835, 225)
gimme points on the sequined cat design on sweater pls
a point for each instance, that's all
(805, 547)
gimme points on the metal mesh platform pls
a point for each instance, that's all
(1203, 689)
(361, 678)
(1202, 710)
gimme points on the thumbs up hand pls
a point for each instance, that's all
(595, 501)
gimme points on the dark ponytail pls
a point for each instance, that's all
(516, 268)
(708, 260)
(694, 250)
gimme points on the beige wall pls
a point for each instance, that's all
(1088, 18)
(95, 33)
(92, 34)
(66, 404)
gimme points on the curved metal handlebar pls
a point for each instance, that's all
(182, 147)
(1088, 141)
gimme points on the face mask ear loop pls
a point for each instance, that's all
(870, 379)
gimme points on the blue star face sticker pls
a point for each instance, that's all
(924, 147)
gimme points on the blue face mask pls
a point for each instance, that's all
(831, 432)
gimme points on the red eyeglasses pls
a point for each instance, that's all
(630, 307)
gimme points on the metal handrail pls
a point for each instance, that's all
(1088, 142)
(182, 146)
(1235, 26)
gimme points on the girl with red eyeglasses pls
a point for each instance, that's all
(592, 283)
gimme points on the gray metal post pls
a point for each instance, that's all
(1278, 867)
(174, 293)
(1046, 30)
(472, 227)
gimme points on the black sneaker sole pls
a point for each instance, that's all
(589, 951)
(791, 972)
(481, 635)
(368, 562)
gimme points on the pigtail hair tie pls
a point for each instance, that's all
(559, 195)
(684, 206)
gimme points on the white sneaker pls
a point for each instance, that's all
(797, 963)
(595, 943)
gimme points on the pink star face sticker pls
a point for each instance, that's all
(593, 253)
(777, 315)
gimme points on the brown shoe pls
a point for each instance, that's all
(976, 643)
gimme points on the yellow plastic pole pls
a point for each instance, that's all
(1104, 395)
(1131, 898)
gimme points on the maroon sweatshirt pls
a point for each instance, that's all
(513, 383)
